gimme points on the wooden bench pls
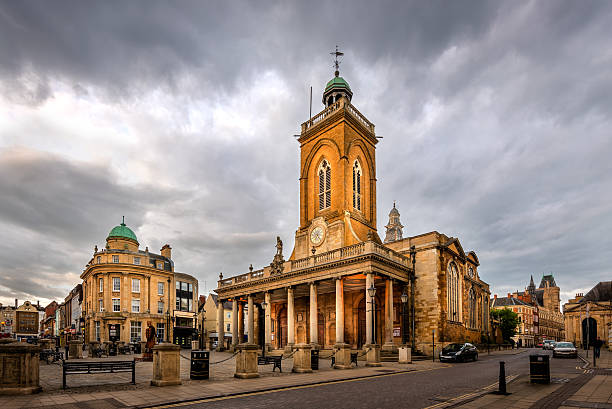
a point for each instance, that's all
(267, 360)
(83, 367)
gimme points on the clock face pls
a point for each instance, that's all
(316, 235)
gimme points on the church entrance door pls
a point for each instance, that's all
(282, 328)
(321, 329)
(361, 323)
(261, 326)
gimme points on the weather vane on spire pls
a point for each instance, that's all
(337, 54)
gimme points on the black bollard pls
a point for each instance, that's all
(502, 378)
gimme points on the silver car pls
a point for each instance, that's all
(549, 344)
(565, 349)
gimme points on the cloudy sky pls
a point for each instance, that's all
(180, 116)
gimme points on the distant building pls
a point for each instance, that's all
(125, 287)
(7, 320)
(48, 324)
(73, 322)
(546, 300)
(27, 319)
(210, 322)
(589, 316)
(525, 332)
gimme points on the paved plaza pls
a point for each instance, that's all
(115, 390)
(574, 384)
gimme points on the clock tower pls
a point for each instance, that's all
(337, 175)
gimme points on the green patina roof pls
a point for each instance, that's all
(122, 231)
(337, 82)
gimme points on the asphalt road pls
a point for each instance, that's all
(407, 390)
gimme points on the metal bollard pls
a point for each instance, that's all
(502, 378)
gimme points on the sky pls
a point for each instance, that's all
(181, 116)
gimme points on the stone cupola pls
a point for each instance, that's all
(337, 87)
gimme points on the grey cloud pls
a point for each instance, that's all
(495, 116)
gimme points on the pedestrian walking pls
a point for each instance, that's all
(597, 347)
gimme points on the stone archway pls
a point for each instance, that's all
(589, 332)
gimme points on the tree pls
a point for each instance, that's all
(508, 321)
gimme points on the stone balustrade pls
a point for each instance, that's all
(343, 253)
(332, 109)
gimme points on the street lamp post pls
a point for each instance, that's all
(264, 305)
(412, 282)
(404, 298)
(372, 293)
(167, 326)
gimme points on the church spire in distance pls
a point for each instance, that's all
(394, 227)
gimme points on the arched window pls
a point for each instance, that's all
(452, 290)
(324, 185)
(485, 317)
(472, 303)
(357, 186)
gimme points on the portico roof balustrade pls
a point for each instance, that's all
(364, 257)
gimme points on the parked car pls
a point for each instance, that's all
(549, 344)
(459, 352)
(540, 345)
(565, 349)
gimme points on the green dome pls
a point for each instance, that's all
(122, 232)
(337, 82)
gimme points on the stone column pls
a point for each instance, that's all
(234, 323)
(220, 325)
(251, 320)
(314, 328)
(339, 311)
(290, 320)
(166, 365)
(240, 322)
(388, 346)
(20, 368)
(268, 322)
(368, 307)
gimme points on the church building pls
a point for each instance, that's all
(341, 285)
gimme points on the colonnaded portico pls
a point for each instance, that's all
(324, 299)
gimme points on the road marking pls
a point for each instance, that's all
(289, 388)
(471, 394)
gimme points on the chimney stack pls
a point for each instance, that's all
(166, 251)
(495, 297)
(509, 295)
(16, 303)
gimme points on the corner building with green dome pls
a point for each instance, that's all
(125, 288)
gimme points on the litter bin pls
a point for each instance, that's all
(314, 359)
(200, 361)
(539, 368)
(112, 349)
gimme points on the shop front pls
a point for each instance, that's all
(183, 331)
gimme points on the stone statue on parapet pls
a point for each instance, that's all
(277, 264)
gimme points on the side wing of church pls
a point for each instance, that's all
(341, 286)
